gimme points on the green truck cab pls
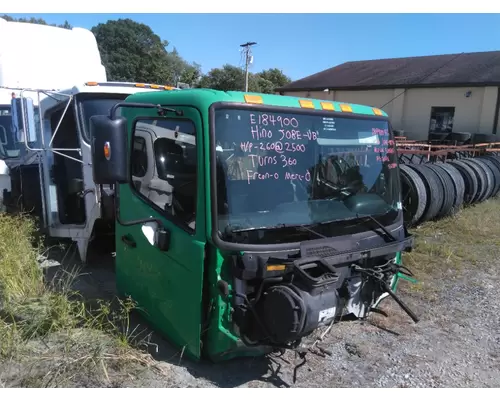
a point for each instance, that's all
(246, 221)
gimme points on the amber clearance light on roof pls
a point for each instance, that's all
(253, 99)
(327, 106)
(306, 103)
(127, 84)
(376, 111)
(346, 107)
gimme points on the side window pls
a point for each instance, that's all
(174, 182)
(139, 162)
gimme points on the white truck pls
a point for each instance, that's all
(46, 139)
(38, 56)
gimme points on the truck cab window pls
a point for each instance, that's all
(8, 146)
(172, 185)
(5, 124)
(139, 157)
(95, 104)
(139, 163)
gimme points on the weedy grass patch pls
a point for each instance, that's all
(444, 247)
(50, 335)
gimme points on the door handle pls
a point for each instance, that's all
(129, 241)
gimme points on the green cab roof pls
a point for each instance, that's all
(204, 98)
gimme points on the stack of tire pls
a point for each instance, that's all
(436, 190)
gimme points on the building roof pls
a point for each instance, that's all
(448, 70)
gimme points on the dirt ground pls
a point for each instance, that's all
(456, 343)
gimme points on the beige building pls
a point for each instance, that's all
(422, 95)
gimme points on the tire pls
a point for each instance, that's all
(489, 178)
(470, 180)
(458, 183)
(414, 196)
(449, 191)
(434, 189)
(481, 179)
(494, 164)
(404, 159)
(412, 159)
(490, 171)
(496, 161)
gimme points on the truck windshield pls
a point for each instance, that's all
(12, 143)
(278, 169)
(90, 105)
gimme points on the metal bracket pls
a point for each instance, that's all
(49, 93)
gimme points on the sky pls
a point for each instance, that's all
(303, 44)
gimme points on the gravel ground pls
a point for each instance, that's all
(455, 344)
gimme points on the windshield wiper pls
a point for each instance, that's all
(309, 227)
(362, 217)
(274, 227)
(311, 230)
(387, 234)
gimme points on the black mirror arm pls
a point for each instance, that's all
(134, 221)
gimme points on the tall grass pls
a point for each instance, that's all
(50, 329)
(20, 275)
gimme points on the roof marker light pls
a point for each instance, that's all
(249, 98)
(306, 103)
(376, 111)
(346, 107)
(327, 106)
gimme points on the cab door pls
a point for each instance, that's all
(166, 284)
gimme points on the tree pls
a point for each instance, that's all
(230, 77)
(131, 51)
(191, 74)
(271, 79)
(226, 78)
(39, 21)
(180, 70)
(264, 85)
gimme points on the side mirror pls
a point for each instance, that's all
(109, 149)
(23, 107)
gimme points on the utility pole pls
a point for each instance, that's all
(248, 55)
